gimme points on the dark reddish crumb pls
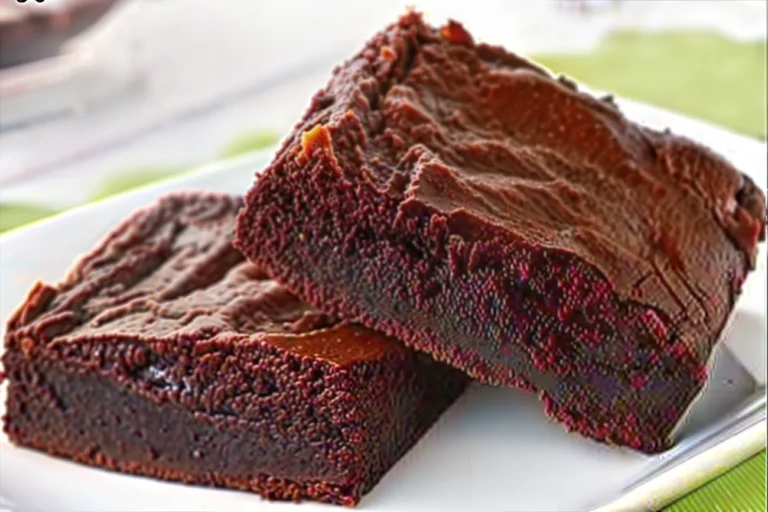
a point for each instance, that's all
(461, 199)
(163, 353)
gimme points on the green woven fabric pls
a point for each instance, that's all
(741, 489)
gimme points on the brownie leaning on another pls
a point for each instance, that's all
(163, 353)
(458, 197)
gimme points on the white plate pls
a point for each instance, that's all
(494, 450)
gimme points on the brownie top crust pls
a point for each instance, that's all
(170, 274)
(493, 147)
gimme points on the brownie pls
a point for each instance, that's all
(458, 197)
(163, 353)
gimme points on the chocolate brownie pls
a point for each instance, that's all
(458, 197)
(164, 353)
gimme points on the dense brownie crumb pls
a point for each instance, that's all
(458, 197)
(164, 353)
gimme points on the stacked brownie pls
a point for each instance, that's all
(444, 209)
(459, 198)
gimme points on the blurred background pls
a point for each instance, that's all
(98, 96)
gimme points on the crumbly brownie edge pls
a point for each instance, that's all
(119, 430)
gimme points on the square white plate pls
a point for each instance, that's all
(494, 450)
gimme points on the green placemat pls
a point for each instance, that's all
(18, 214)
(741, 489)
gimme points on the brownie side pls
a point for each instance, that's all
(332, 448)
(95, 421)
(458, 197)
(206, 371)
